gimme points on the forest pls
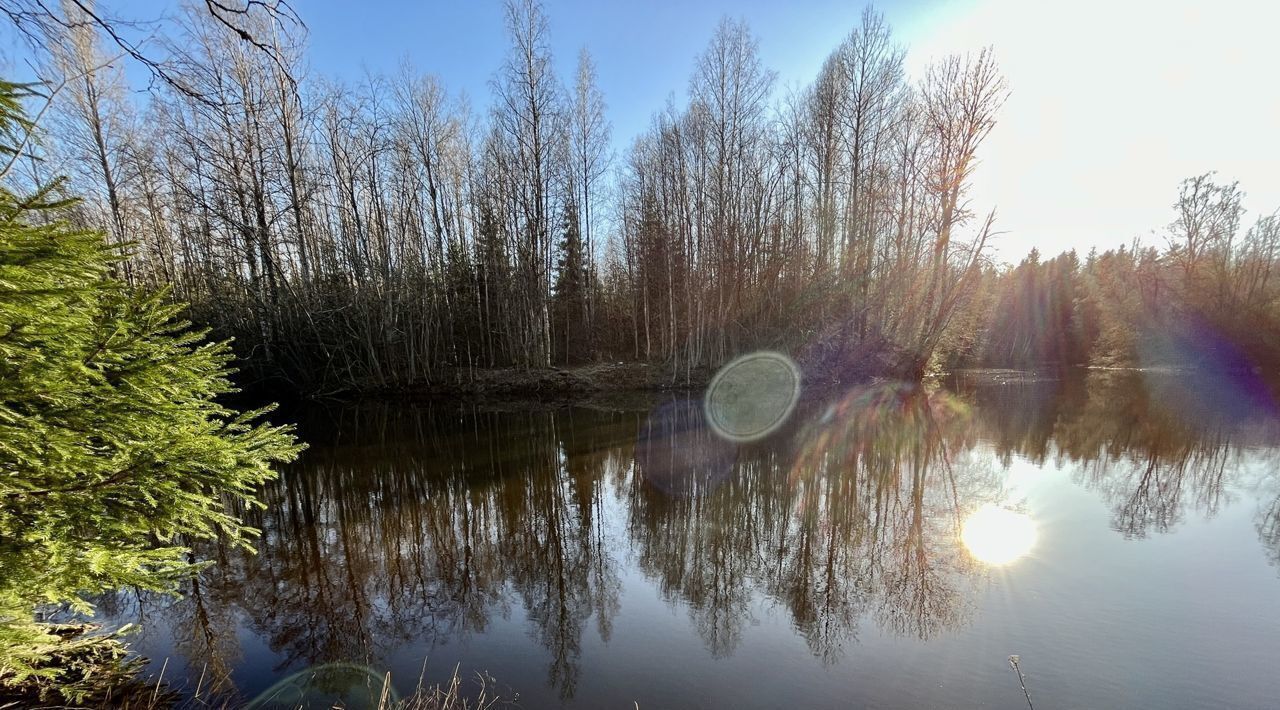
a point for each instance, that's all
(244, 226)
(390, 234)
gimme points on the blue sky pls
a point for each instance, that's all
(1113, 101)
(644, 50)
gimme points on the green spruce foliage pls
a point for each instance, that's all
(115, 452)
(570, 300)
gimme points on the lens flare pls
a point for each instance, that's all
(679, 454)
(998, 536)
(752, 396)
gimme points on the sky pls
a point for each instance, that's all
(1112, 103)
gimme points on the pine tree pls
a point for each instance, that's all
(571, 292)
(114, 448)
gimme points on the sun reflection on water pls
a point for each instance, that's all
(998, 536)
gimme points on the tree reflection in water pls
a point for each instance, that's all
(1155, 447)
(413, 527)
(853, 515)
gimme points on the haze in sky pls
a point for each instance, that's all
(1111, 104)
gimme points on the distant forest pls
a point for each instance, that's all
(389, 233)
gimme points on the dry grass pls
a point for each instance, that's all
(450, 696)
(134, 694)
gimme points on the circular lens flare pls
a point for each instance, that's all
(752, 396)
(998, 536)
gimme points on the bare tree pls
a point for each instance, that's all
(589, 141)
(376, 234)
(530, 116)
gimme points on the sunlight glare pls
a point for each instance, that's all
(998, 536)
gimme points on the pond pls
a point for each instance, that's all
(887, 546)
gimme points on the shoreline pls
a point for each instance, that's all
(551, 382)
(567, 383)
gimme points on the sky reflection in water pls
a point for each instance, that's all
(887, 546)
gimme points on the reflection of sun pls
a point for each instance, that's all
(998, 536)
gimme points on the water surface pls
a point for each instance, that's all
(605, 555)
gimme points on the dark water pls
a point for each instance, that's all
(602, 556)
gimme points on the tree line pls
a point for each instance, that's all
(385, 233)
(1209, 297)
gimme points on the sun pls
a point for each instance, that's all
(998, 536)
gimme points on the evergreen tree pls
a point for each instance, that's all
(571, 292)
(114, 449)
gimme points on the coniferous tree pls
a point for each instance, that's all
(114, 449)
(571, 292)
